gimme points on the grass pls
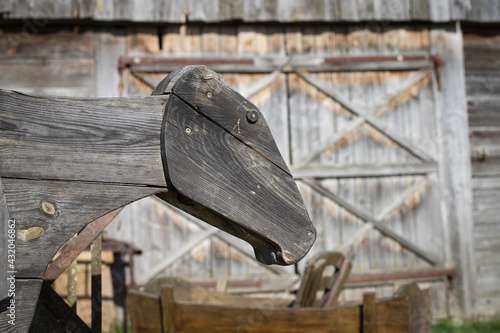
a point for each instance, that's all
(467, 326)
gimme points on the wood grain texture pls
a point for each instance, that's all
(208, 165)
(455, 154)
(101, 140)
(145, 312)
(251, 11)
(75, 205)
(199, 83)
(392, 316)
(26, 296)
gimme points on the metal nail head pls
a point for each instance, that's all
(252, 116)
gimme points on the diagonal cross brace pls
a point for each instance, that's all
(363, 117)
(383, 215)
(383, 229)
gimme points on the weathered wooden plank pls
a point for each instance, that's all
(43, 73)
(5, 225)
(484, 111)
(52, 9)
(226, 178)
(173, 11)
(124, 146)
(203, 11)
(145, 312)
(22, 308)
(46, 215)
(109, 48)
(455, 154)
(46, 45)
(419, 307)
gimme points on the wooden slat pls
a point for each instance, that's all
(109, 47)
(123, 147)
(425, 255)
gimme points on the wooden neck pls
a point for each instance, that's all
(106, 140)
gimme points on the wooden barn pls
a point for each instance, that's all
(387, 112)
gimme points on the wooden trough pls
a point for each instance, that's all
(177, 307)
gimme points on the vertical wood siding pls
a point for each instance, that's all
(483, 79)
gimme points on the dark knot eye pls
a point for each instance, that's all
(252, 116)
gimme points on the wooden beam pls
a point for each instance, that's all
(364, 171)
(106, 140)
(76, 245)
(454, 150)
(421, 275)
(369, 119)
(421, 253)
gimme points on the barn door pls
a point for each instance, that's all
(364, 145)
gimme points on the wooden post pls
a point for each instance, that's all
(369, 313)
(419, 306)
(168, 309)
(96, 268)
(72, 280)
(455, 166)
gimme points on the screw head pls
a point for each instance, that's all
(252, 116)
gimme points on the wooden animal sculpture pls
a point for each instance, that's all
(196, 143)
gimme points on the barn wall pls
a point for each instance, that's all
(180, 11)
(84, 62)
(482, 56)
